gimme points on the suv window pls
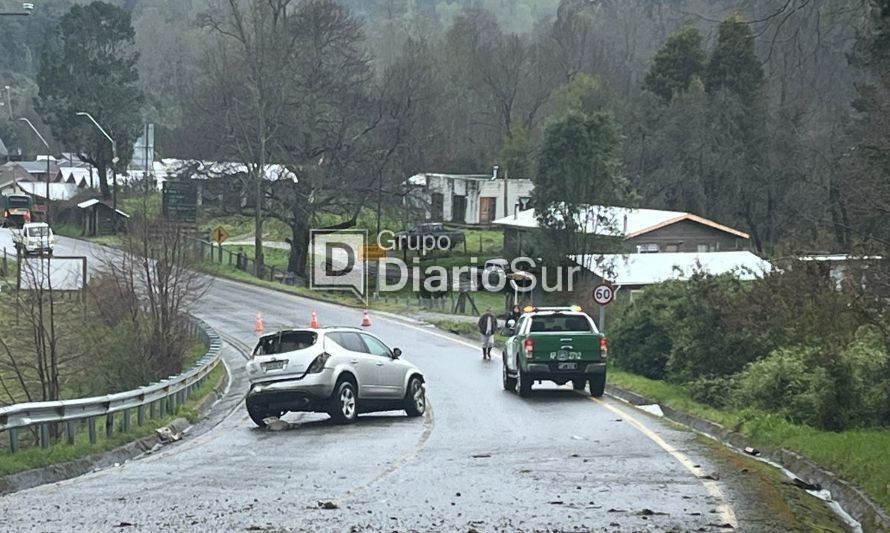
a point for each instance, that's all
(350, 341)
(557, 323)
(376, 347)
(285, 342)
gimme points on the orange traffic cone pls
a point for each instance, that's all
(258, 323)
(366, 320)
(314, 322)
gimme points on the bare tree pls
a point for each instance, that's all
(37, 350)
(249, 71)
(153, 282)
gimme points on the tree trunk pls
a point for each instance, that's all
(299, 250)
(102, 169)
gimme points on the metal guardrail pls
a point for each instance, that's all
(162, 397)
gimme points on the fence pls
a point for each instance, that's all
(241, 261)
(157, 399)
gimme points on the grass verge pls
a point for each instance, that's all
(35, 457)
(858, 456)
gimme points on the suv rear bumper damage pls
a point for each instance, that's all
(309, 393)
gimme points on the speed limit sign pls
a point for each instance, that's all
(603, 294)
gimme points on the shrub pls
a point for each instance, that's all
(824, 387)
(640, 338)
(716, 392)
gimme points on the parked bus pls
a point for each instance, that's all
(16, 210)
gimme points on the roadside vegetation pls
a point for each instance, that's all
(790, 360)
(111, 335)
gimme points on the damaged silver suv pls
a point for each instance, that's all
(340, 371)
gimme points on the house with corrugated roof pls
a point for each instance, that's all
(643, 230)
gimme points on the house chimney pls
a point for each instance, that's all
(625, 223)
(494, 174)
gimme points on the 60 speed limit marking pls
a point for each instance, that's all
(603, 294)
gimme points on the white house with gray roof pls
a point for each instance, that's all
(467, 198)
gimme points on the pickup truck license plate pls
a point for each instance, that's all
(273, 365)
(568, 366)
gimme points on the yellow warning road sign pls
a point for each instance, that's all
(219, 235)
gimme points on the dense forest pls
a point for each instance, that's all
(761, 114)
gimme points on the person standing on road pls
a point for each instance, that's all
(487, 324)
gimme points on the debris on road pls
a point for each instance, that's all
(652, 409)
(273, 423)
(481, 456)
(805, 485)
(328, 505)
(713, 476)
(125, 524)
(167, 434)
(752, 451)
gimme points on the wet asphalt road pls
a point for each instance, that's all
(482, 458)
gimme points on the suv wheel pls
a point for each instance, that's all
(344, 403)
(415, 398)
(259, 414)
(597, 385)
(523, 384)
(509, 382)
(579, 384)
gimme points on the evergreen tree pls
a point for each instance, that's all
(89, 65)
(733, 64)
(676, 64)
(578, 166)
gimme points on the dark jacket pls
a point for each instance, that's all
(484, 321)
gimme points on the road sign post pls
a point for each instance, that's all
(603, 295)
(219, 235)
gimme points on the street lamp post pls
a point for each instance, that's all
(39, 136)
(114, 160)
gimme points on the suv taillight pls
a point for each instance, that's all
(604, 347)
(529, 346)
(318, 364)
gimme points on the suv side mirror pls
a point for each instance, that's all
(396, 353)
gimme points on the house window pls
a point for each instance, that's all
(648, 248)
(672, 248)
(703, 248)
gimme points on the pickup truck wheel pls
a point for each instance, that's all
(415, 398)
(509, 383)
(523, 384)
(344, 403)
(597, 385)
(579, 384)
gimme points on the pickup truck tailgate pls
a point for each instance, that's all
(566, 347)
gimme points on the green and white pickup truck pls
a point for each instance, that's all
(554, 344)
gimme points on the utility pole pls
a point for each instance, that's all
(9, 101)
(506, 182)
